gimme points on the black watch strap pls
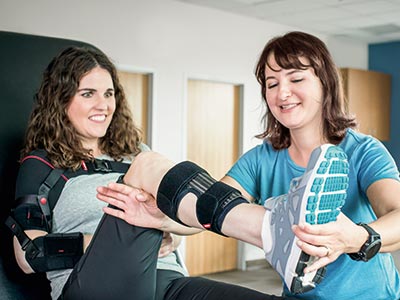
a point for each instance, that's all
(370, 248)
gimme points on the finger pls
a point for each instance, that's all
(313, 250)
(115, 202)
(308, 238)
(316, 229)
(121, 188)
(111, 193)
(114, 212)
(322, 262)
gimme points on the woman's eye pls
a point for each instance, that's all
(297, 80)
(109, 94)
(272, 85)
(87, 94)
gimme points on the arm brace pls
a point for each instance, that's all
(54, 251)
(215, 199)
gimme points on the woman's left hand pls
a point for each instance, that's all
(329, 241)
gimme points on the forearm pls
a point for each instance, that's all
(388, 226)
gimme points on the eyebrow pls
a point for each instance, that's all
(93, 90)
(288, 73)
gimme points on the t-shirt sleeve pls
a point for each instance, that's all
(244, 171)
(376, 163)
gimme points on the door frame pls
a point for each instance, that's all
(241, 259)
(151, 97)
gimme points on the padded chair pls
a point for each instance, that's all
(23, 59)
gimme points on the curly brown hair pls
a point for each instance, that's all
(49, 127)
(287, 51)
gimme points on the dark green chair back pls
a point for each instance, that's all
(23, 58)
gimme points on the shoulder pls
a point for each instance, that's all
(356, 143)
(369, 157)
(37, 158)
(34, 169)
(261, 153)
(256, 158)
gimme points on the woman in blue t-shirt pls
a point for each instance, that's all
(307, 128)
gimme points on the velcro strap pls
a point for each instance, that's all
(55, 251)
(213, 205)
(32, 212)
(176, 184)
(17, 230)
(29, 214)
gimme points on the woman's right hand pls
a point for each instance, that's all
(132, 205)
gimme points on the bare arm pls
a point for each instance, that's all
(384, 196)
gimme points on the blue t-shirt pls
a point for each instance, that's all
(264, 172)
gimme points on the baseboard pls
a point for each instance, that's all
(257, 264)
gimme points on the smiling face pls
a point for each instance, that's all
(91, 109)
(294, 96)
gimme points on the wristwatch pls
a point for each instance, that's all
(370, 248)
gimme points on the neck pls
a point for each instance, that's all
(302, 144)
(94, 146)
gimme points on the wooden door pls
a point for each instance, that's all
(368, 97)
(136, 87)
(212, 142)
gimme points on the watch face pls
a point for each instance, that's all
(373, 248)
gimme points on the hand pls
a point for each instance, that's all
(329, 241)
(133, 205)
(167, 245)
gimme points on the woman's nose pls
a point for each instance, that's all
(102, 103)
(284, 92)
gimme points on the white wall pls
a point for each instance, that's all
(174, 41)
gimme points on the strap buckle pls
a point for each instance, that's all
(100, 165)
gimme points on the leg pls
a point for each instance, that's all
(119, 263)
(198, 288)
(315, 198)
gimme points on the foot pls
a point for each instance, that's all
(315, 198)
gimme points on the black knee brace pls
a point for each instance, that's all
(215, 199)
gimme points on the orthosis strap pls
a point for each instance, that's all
(19, 233)
(215, 199)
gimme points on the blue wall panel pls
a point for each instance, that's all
(385, 57)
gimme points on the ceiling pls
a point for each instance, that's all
(371, 21)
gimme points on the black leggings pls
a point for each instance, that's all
(121, 262)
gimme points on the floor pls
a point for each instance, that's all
(262, 279)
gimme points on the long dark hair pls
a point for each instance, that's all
(287, 51)
(49, 127)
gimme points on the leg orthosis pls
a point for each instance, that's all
(215, 199)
